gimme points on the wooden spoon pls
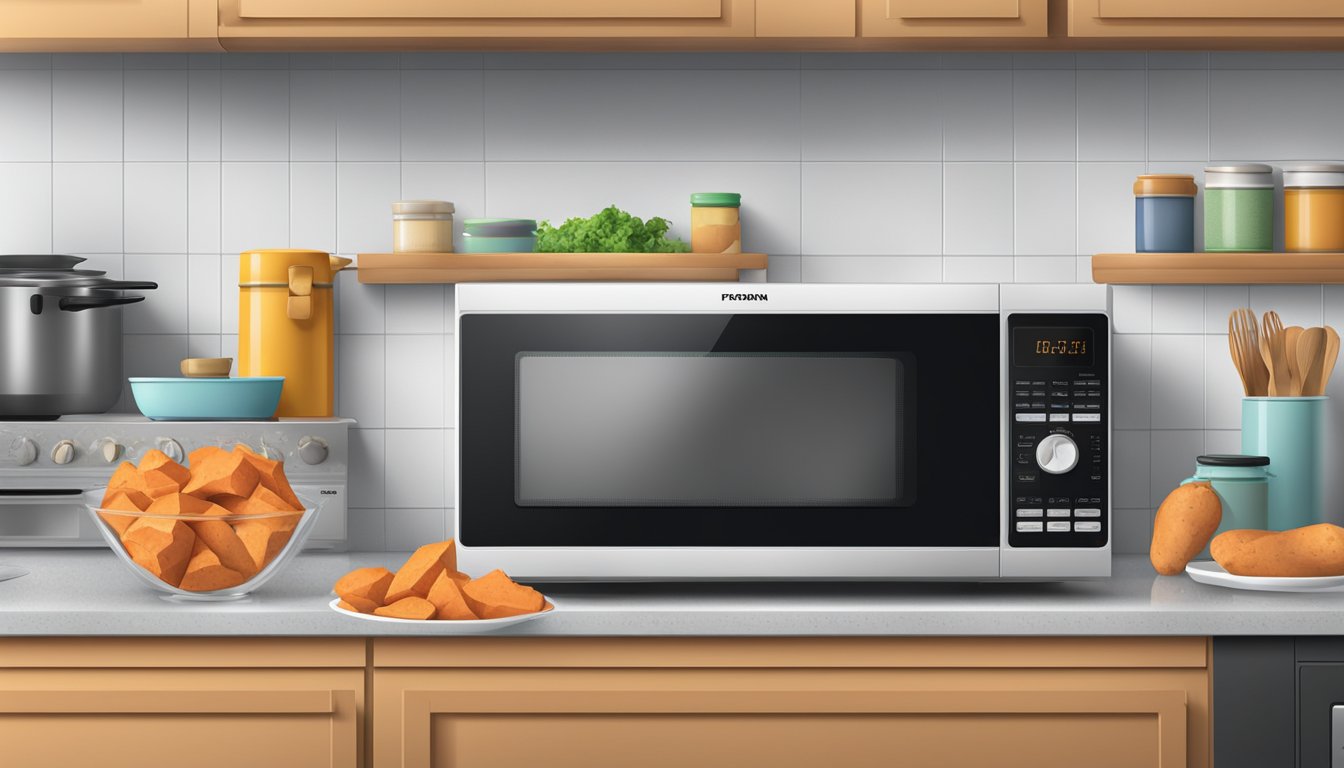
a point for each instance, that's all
(1311, 359)
(1275, 354)
(1331, 355)
(1295, 372)
(1243, 340)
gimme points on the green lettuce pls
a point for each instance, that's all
(609, 231)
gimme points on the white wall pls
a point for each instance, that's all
(853, 167)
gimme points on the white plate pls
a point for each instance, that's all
(450, 627)
(1209, 572)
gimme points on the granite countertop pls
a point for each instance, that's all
(88, 592)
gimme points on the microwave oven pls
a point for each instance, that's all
(695, 431)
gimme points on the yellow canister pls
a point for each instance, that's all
(285, 326)
(1313, 207)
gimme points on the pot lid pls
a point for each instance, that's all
(1231, 460)
(40, 261)
(21, 279)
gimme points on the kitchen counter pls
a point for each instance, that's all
(87, 592)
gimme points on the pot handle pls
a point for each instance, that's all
(127, 285)
(81, 303)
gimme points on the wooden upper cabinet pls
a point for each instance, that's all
(1206, 18)
(145, 25)
(427, 19)
(953, 18)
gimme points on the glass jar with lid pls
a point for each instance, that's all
(1164, 213)
(1313, 207)
(422, 226)
(716, 223)
(1239, 207)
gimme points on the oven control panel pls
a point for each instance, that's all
(1058, 430)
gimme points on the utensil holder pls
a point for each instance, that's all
(1291, 432)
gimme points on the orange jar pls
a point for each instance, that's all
(1313, 207)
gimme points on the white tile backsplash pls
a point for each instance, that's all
(883, 167)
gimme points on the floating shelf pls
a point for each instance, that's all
(1217, 268)
(399, 268)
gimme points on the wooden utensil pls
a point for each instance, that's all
(1295, 373)
(1331, 355)
(1243, 341)
(1275, 354)
(1310, 359)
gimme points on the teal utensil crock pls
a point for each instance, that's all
(1291, 432)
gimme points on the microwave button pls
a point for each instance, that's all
(1038, 384)
(1087, 513)
(1032, 417)
(1037, 512)
(1022, 393)
(1078, 417)
(1021, 405)
(1061, 526)
(1026, 477)
(1057, 513)
(1091, 526)
(1059, 417)
(1028, 526)
(1059, 406)
(1021, 383)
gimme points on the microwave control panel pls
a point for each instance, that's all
(1058, 430)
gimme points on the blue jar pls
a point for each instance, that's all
(1164, 213)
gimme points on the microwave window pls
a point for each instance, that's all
(720, 430)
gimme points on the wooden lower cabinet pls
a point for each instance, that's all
(593, 702)
(199, 702)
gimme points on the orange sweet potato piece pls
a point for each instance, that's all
(495, 595)
(125, 499)
(271, 476)
(268, 497)
(364, 588)
(205, 572)
(182, 504)
(446, 595)
(199, 456)
(126, 476)
(408, 608)
(161, 546)
(263, 542)
(223, 472)
(421, 569)
(215, 534)
(347, 607)
(156, 459)
(155, 483)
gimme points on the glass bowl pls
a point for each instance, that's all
(307, 517)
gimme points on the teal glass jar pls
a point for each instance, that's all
(1242, 485)
(1239, 207)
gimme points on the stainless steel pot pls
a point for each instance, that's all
(61, 341)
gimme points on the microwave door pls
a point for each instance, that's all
(729, 430)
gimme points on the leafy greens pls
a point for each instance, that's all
(611, 230)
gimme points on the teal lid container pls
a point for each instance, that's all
(716, 200)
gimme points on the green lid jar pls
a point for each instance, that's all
(716, 223)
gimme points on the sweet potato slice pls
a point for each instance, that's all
(126, 476)
(347, 607)
(223, 472)
(218, 535)
(408, 608)
(156, 459)
(205, 572)
(446, 595)
(495, 596)
(271, 476)
(364, 588)
(125, 499)
(421, 569)
(155, 483)
(199, 456)
(263, 542)
(182, 504)
(161, 546)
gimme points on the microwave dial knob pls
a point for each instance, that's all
(172, 449)
(312, 450)
(24, 451)
(1057, 454)
(63, 452)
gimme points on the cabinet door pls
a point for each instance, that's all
(1205, 18)
(594, 704)
(93, 19)
(954, 18)
(428, 19)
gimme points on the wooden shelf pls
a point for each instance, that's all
(399, 268)
(1217, 268)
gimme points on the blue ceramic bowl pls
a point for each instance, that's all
(178, 399)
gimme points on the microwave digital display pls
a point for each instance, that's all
(1053, 347)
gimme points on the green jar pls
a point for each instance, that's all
(1239, 207)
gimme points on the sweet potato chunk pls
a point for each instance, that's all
(446, 595)
(223, 472)
(495, 595)
(182, 504)
(271, 498)
(408, 608)
(364, 588)
(271, 476)
(199, 456)
(205, 572)
(125, 499)
(155, 483)
(263, 542)
(126, 476)
(161, 546)
(218, 535)
(156, 459)
(347, 607)
(421, 569)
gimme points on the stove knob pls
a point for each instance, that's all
(24, 451)
(172, 449)
(63, 452)
(1057, 454)
(312, 450)
(264, 451)
(108, 448)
